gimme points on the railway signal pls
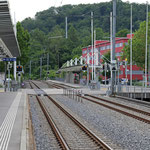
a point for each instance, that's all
(84, 68)
(19, 68)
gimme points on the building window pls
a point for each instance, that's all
(84, 52)
(108, 47)
(103, 48)
(90, 50)
(137, 72)
(118, 54)
(121, 44)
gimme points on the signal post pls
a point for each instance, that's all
(19, 71)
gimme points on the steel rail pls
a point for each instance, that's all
(121, 105)
(62, 85)
(58, 135)
(97, 140)
(118, 110)
(34, 84)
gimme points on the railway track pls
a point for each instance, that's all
(59, 86)
(70, 133)
(121, 108)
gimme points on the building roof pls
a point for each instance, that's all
(102, 42)
(8, 42)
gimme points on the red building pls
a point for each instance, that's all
(103, 47)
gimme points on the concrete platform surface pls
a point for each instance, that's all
(85, 89)
(12, 122)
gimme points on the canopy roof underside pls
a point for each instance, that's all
(8, 42)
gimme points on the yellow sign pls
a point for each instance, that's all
(126, 59)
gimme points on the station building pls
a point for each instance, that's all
(102, 47)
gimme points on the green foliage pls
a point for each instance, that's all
(52, 74)
(106, 57)
(48, 25)
(84, 73)
(2, 66)
(99, 79)
(79, 16)
(139, 43)
(122, 33)
(23, 40)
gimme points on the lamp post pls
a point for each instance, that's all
(105, 72)
(113, 47)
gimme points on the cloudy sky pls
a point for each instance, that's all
(28, 8)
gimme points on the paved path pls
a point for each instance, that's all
(12, 106)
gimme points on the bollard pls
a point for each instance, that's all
(76, 95)
(81, 96)
(142, 93)
(69, 93)
(134, 92)
(73, 93)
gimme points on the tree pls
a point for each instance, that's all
(106, 59)
(138, 49)
(24, 43)
(122, 33)
(73, 40)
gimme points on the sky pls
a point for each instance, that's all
(28, 8)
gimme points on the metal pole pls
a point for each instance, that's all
(15, 70)
(113, 47)
(131, 53)
(115, 80)
(149, 65)
(47, 62)
(87, 74)
(105, 74)
(94, 54)
(126, 73)
(5, 75)
(40, 67)
(30, 69)
(111, 38)
(19, 79)
(146, 48)
(66, 27)
(8, 76)
(92, 40)
(118, 75)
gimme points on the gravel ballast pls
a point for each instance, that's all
(44, 137)
(125, 131)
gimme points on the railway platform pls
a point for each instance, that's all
(13, 120)
(85, 89)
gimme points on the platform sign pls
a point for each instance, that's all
(8, 59)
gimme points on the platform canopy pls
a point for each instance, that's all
(8, 41)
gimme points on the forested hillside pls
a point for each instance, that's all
(51, 23)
